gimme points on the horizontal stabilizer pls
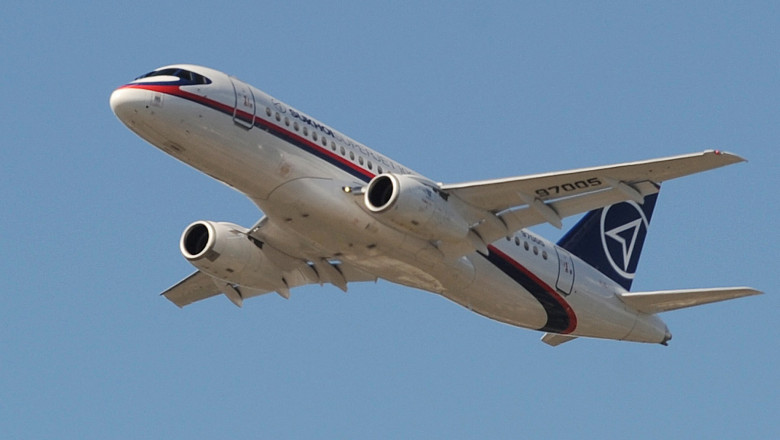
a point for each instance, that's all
(666, 300)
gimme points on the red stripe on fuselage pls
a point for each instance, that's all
(572, 317)
(175, 90)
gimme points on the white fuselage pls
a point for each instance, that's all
(296, 170)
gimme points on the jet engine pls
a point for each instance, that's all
(226, 252)
(413, 205)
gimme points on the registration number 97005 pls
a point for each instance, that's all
(568, 187)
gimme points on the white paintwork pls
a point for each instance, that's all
(318, 228)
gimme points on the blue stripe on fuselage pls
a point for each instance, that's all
(560, 316)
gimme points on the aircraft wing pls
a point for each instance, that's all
(524, 201)
(200, 285)
(195, 287)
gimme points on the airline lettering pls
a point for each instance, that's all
(532, 239)
(312, 122)
(353, 145)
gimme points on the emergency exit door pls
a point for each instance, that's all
(565, 281)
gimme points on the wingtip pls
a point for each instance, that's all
(732, 158)
(172, 300)
(749, 291)
(743, 291)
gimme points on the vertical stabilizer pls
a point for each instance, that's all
(611, 238)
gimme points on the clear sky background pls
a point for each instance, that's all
(91, 217)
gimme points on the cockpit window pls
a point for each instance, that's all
(187, 77)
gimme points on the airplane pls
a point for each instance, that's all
(337, 212)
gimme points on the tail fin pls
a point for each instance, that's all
(611, 238)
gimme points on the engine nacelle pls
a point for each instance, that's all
(224, 251)
(409, 204)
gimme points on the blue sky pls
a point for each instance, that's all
(456, 90)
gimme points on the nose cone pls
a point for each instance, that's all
(128, 102)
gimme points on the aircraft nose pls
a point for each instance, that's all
(127, 102)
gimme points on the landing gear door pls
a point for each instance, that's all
(244, 110)
(565, 281)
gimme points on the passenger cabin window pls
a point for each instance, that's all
(187, 77)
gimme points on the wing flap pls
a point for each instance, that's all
(199, 285)
(666, 300)
(524, 217)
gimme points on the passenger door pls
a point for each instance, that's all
(244, 110)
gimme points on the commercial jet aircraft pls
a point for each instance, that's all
(337, 212)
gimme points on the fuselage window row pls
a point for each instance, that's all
(278, 117)
(527, 247)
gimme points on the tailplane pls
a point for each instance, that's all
(611, 238)
(666, 300)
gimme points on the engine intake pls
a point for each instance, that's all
(195, 240)
(409, 204)
(224, 251)
(381, 192)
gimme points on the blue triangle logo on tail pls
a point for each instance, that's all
(611, 238)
